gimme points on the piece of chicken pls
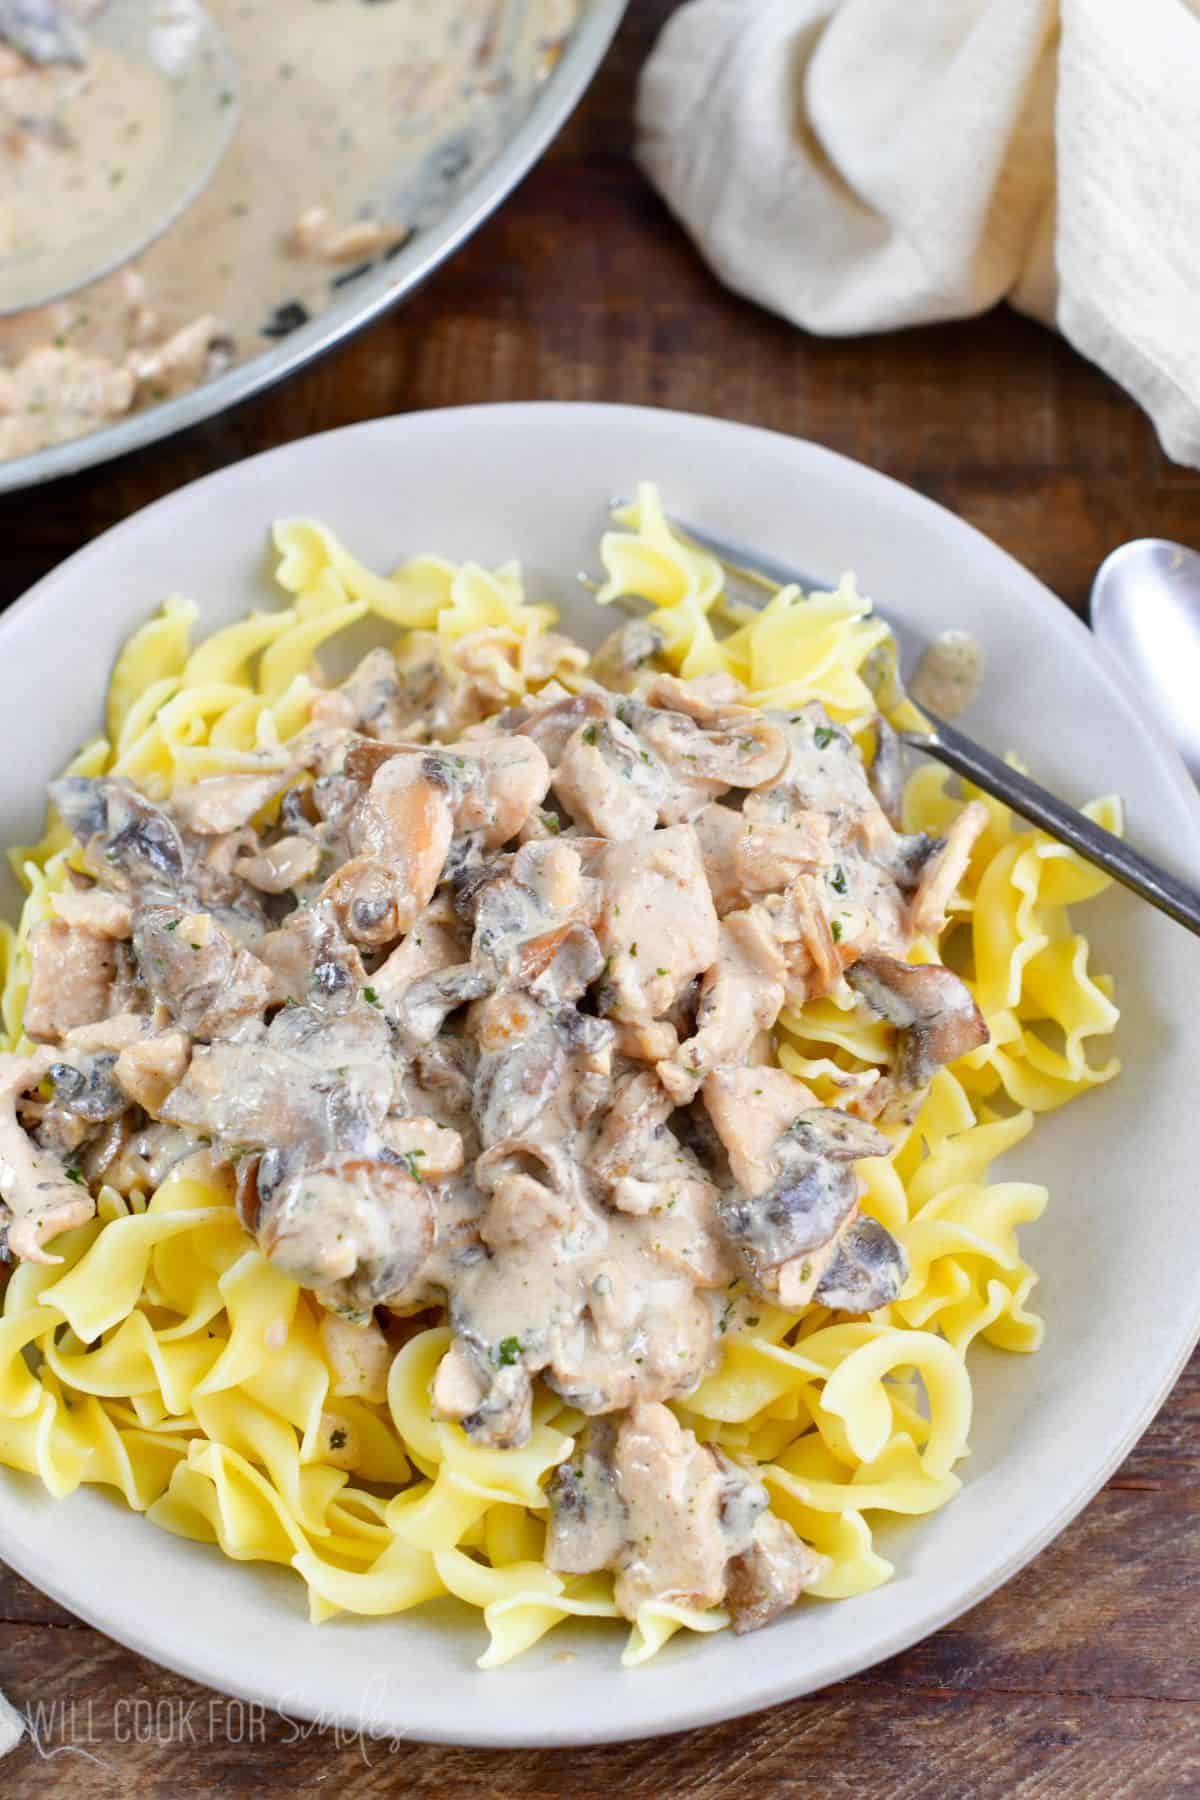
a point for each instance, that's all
(71, 983)
(741, 995)
(942, 872)
(658, 927)
(677, 1521)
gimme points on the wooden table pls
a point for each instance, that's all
(1082, 1676)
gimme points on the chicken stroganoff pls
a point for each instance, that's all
(559, 1042)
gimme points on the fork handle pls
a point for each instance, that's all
(1178, 899)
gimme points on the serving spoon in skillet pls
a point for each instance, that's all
(946, 744)
(191, 57)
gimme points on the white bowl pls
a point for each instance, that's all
(1118, 1250)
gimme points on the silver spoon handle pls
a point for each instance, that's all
(1176, 898)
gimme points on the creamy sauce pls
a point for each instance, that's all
(375, 114)
(462, 1048)
(947, 677)
(88, 139)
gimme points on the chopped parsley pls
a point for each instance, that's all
(660, 971)
(633, 949)
(823, 736)
(589, 734)
(837, 880)
(805, 1269)
(370, 996)
(412, 1158)
(74, 1173)
(836, 929)
(174, 925)
(509, 1352)
(551, 823)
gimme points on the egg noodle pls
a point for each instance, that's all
(164, 1356)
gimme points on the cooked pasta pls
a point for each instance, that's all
(158, 1338)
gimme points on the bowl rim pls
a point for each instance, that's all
(699, 1706)
(367, 299)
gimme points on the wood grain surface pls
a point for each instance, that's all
(1082, 1676)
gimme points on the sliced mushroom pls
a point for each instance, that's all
(791, 1161)
(222, 803)
(313, 964)
(355, 1226)
(84, 1084)
(522, 1063)
(487, 1390)
(625, 653)
(425, 1005)
(435, 943)
(552, 719)
(209, 984)
(886, 775)
(122, 832)
(933, 1012)
(867, 1271)
(770, 1576)
(706, 740)
(589, 1523)
(823, 773)
(319, 1086)
(814, 1189)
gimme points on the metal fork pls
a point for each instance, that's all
(946, 744)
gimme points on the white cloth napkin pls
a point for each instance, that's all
(863, 164)
(12, 1727)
